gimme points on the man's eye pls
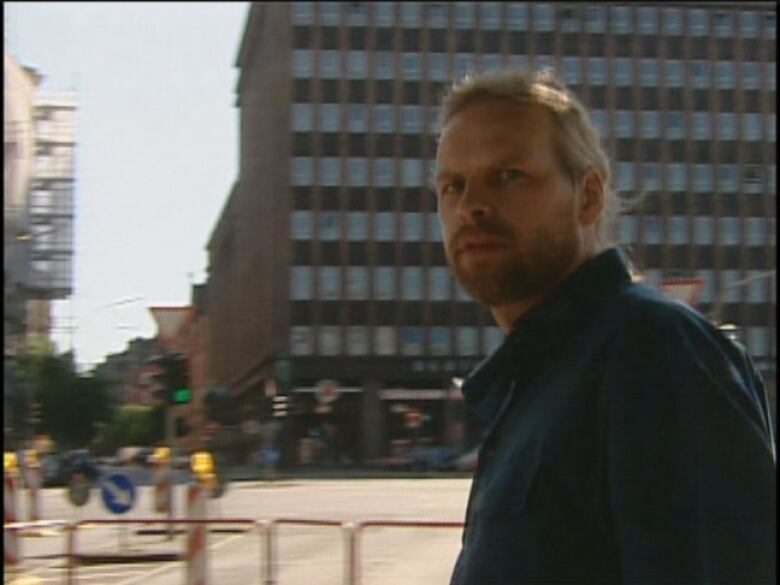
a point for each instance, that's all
(510, 175)
(451, 188)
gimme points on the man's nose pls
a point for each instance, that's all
(475, 203)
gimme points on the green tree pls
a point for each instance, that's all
(71, 406)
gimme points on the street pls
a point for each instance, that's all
(304, 553)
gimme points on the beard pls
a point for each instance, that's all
(522, 270)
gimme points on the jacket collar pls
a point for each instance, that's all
(536, 334)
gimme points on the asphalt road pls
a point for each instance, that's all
(304, 554)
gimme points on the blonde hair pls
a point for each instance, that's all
(576, 138)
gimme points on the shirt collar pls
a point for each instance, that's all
(536, 334)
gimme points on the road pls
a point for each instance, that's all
(305, 554)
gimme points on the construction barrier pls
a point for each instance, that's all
(162, 488)
(34, 479)
(11, 541)
(197, 546)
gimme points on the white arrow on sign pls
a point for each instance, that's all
(120, 496)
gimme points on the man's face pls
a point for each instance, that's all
(507, 207)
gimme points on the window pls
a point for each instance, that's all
(625, 176)
(330, 171)
(701, 125)
(439, 283)
(330, 282)
(674, 71)
(751, 127)
(302, 170)
(627, 229)
(357, 340)
(302, 118)
(648, 20)
(748, 24)
(357, 226)
(412, 226)
(411, 66)
(727, 126)
(651, 177)
(702, 178)
(357, 118)
(468, 340)
(728, 178)
(301, 225)
(357, 65)
(384, 172)
(301, 340)
(758, 341)
(516, 16)
(384, 340)
(729, 231)
(357, 283)
(434, 228)
(673, 20)
(707, 292)
(651, 230)
(753, 179)
(330, 64)
(755, 231)
(302, 13)
(750, 75)
(330, 341)
(356, 14)
(544, 17)
(572, 70)
(384, 67)
(411, 14)
(620, 17)
(437, 14)
(330, 225)
(492, 338)
(600, 121)
(437, 66)
(756, 287)
(440, 340)
(770, 25)
(464, 62)
(700, 74)
(491, 62)
(704, 230)
(464, 15)
(569, 20)
(622, 73)
(675, 125)
(412, 172)
(624, 124)
(357, 172)
(302, 64)
(411, 119)
(300, 283)
(724, 25)
(726, 72)
(697, 23)
(677, 228)
(676, 177)
(385, 226)
(729, 292)
(412, 289)
(411, 340)
(651, 123)
(384, 283)
(329, 118)
(594, 19)
(489, 15)
(597, 71)
(384, 118)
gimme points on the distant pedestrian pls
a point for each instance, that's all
(628, 440)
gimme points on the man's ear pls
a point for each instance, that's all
(593, 195)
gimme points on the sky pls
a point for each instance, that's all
(156, 151)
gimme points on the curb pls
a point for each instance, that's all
(126, 558)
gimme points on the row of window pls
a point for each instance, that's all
(650, 124)
(411, 226)
(542, 17)
(409, 283)
(619, 71)
(628, 176)
(735, 286)
(441, 341)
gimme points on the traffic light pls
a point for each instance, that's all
(174, 378)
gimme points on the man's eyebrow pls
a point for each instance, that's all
(442, 174)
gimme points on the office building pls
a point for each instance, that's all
(327, 261)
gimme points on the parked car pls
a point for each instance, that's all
(59, 468)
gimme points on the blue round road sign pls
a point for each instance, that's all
(118, 493)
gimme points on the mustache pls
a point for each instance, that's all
(489, 230)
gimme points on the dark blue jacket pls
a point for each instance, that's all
(628, 441)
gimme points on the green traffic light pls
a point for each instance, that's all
(182, 396)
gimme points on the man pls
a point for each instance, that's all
(627, 440)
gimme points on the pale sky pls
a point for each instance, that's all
(156, 150)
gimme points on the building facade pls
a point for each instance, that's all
(327, 261)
